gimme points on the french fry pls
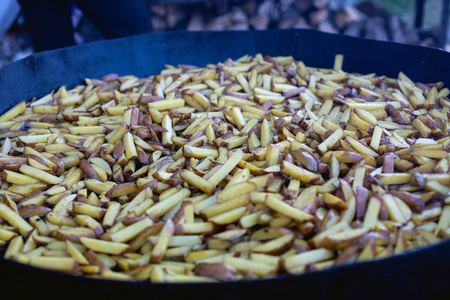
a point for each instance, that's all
(308, 257)
(163, 207)
(275, 246)
(330, 141)
(163, 242)
(219, 208)
(104, 246)
(15, 220)
(75, 253)
(235, 191)
(222, 172)
(298, 173)
(197, 181)
(285, 209)
(14, 247)
(17, 178)
(342, 239)
(39, 174)
(13, 112)
(258, 268)
(62, 264)
(255, 167)
(131, 231)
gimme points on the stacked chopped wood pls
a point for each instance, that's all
(367, 20)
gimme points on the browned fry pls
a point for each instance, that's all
(118, 150)
(214, 270)
(93, 259)
(121, 190)
(88, 170)
(408, 198)
(306, 159)
(34, 210)
(388, 163)
(361, 202)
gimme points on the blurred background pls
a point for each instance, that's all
(422, 22)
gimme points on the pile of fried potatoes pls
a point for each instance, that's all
(245, 169)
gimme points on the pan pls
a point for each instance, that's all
(421, 274)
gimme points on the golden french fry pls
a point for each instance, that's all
(104, 246)
(197, 181)
(163, 207)
(15, 220)
(62, 264)
(131, 231)
(13, 112)
(163, 242)
(285, 209)
(39, 174)
(308, 257)
(235, 191)
(298, 173)
(223, 171)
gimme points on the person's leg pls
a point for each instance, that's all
(49, 22)
(117, 18)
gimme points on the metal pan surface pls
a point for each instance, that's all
(422, 274)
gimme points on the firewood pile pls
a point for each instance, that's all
(367, 20)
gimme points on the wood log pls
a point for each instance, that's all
(158, 10)
(302, 6)
(239, 26)
(259, 22)
(218, 24)
(317, 17)
(353, 29)
(346, 16)
(396, 29)
(175, 15)
(196, 22)
(238, 16)
(320, 4)
(301, 23)
(374, 28)
(266, 8)
(159, 24)
(326, 26)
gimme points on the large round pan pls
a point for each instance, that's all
(421, 274)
